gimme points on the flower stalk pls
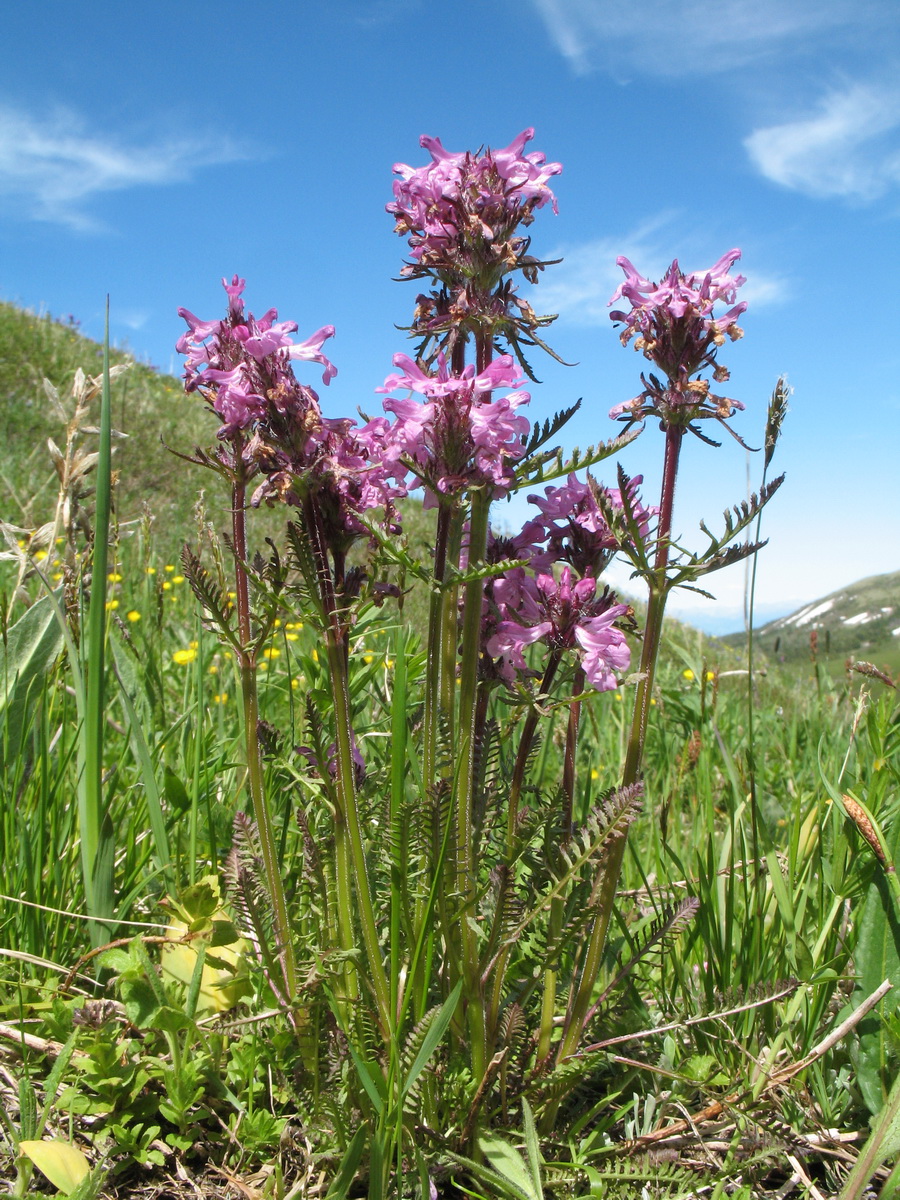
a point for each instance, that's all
(255, 780)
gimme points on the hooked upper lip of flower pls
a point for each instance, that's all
(460, 436)
(457, 195)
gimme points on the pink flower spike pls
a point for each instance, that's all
(675, 326)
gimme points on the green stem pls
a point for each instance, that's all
(465, 866)
(526, 741)
(347, 816)
(557, 904)
(580, 999)
(250, 697)
(435, 656)
(97, 835)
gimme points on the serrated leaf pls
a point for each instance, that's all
(432, 1039)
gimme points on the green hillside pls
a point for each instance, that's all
(148, 407)
(861, 621)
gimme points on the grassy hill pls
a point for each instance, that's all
(148, 407)
(861, 621)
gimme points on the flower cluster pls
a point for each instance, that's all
(673, 323)
(568, 614)
(246, 364)
(571, 527)
(462, 201)
(243, 367)
(462, 214)
(459, 437)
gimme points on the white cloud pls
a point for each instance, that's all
(581, 286)
(845, 149)
(133, 319)
(684, 37)
(50, 169)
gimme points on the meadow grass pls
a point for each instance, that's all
(770, 946)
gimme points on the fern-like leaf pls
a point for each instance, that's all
(550, 464)
(541, 433)
(211, 596)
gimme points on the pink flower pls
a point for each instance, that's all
(458, 200)
(674, 325)
(459, 437)
(572, 529)
(567, 615)
(242, 365)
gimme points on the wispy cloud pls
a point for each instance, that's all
(580, 287)
(684, 37)
(52, 167)
(369, 13)
(849, 148)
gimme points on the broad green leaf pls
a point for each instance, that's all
(506, 1160)
(373, 1083)
(140, 1001)
(31, 646)
(532, 1147)
(63, 1164)
(877, 958)
(883, 1143)
(220, 986)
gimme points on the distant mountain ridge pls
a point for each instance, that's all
(861, 621)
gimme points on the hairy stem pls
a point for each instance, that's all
(557, 904)
(465, 866)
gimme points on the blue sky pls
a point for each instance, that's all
(146, 151)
